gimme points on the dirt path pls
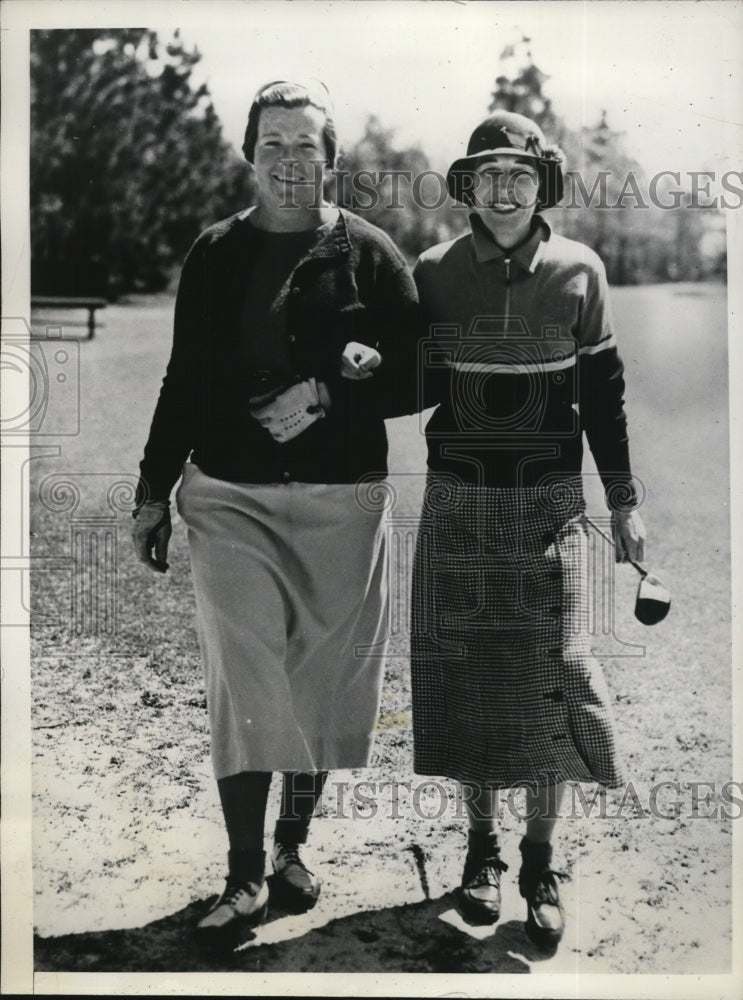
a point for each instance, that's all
(127, 836)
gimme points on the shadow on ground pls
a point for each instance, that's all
(409, 938)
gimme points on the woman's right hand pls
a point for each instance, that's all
(152, 529)
(628, 532)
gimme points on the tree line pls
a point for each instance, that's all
(639, 240)
(128, 161)
(129, 164)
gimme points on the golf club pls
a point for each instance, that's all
(653, 601)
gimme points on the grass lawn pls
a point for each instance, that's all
(127, 828)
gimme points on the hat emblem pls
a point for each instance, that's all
(501, 138)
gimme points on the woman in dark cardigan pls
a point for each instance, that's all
(522, 362)
(291, 321)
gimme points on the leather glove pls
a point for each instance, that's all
(291, 412)
(152, 529)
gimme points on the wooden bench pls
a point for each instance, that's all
(71, 302)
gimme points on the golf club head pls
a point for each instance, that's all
(652, 602)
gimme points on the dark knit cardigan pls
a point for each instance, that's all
(352, 285)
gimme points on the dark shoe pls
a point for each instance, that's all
(229, 922)
(294, 882)
(545, 917)
(479, 894)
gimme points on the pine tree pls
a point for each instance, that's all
(411, 207)
(523, 91)
(128, 162)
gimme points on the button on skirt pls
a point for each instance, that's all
(505, 690)
(292, 611)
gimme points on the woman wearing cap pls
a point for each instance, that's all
(522, 362)
(288, 322)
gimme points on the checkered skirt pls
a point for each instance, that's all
(505, 690)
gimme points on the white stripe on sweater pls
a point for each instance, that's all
(603, 345)
(513, 368)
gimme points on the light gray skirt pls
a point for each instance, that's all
(291, 598)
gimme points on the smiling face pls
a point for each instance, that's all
(289, 164)
(505, 197)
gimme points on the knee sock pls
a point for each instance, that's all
(300, 794)
(244, 798)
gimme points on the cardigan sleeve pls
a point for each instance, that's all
(389, 321)
(398, 321)
(173, 426)
(601, 394)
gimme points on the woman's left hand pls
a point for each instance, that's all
(151, 531)
(358, 361)
(629, 535)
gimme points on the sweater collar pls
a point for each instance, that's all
(333, 242)
(526, 254)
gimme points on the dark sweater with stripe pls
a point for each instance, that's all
(520, 357)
